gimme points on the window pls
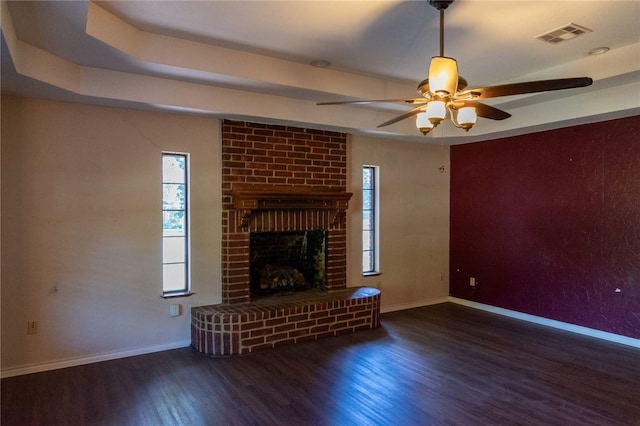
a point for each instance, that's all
(175, 224)
(370, 235)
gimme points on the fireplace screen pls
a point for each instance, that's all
(284, 262)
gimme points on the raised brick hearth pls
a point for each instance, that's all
(279, 179)
(269, 322)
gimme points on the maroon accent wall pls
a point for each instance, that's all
(549, 224)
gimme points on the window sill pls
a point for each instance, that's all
(178, 294)
(371, 274)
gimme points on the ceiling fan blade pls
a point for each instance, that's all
(411, 101)
(526, 87)
(484, 110)
(407, 114)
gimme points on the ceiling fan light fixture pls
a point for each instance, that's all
(467, 117)
(444, 90)
(436, 112)
(443, 75)
(423, 123)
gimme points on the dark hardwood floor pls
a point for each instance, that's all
(438, 365)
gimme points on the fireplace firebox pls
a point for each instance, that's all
(282, 263)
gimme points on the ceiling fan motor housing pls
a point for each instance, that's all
(440, 4)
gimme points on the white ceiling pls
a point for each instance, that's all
(250, 59)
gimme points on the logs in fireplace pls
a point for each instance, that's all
(284, 262)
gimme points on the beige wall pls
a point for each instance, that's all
(414, 220)
(81, 229)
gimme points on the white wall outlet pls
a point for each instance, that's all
(472, 281)
(175, 309)
(32, 327)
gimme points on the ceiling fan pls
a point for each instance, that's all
(446, 91)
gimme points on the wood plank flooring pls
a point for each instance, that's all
(438, 365)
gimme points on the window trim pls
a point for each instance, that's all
(186, 290)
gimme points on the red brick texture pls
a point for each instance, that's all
(233, 329)
(279, 155)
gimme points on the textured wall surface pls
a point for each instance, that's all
(82, 229)
(549, 224)
(414, 220)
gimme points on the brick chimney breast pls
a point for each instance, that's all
(272, 159)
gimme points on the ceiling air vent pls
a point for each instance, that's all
(564, 33)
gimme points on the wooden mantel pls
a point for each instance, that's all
(248, 198)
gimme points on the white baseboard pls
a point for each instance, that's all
(72, 362)
(410, 305)
(591, 332)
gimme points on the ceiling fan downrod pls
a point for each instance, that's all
(441, 5)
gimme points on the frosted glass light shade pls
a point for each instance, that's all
(422, 122)
(436, 111)
(443, 75)
(467, 116)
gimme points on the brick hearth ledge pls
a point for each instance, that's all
(233, 329)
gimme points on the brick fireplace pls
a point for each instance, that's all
(274, 162)
(281, 179)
